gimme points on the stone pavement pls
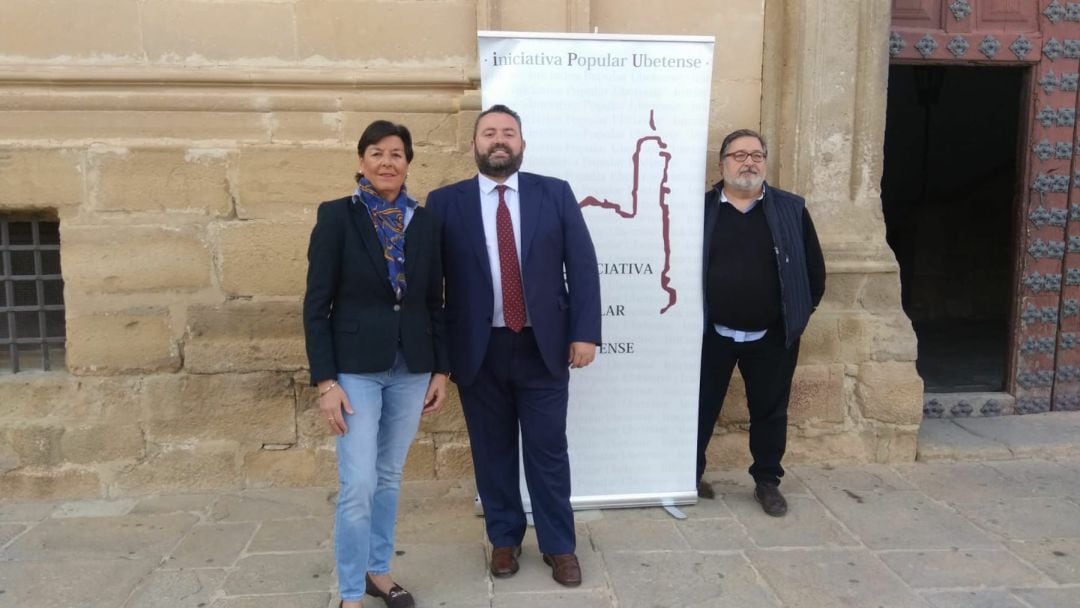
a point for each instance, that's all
(993, 534)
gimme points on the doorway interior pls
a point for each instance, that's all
(949, 195)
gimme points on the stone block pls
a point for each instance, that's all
(943, 569)
(890, 391)
(832, 448)
(820, 342)
(133, 259)
(241, 336)
(817, 393)
(180, 588)
(139, 126)
(436, 168)
(55, 29)
(427, 129)
(65, 583)
(87, 444)
(634, 576)
(449, 418)
(127, 536)
(310, 534)
(292, 468)
(728, 450)
(1028, 519)
(207, 31)
(300, 600)
(326, 29)
(311, 571)
(290, 182)
(63, 397)
(892, 444)
(293, 127)
(210, 546)
(734, 410)
(128, 341)
(453, 458)
(49, 484)
(205, 465)
(262, 505)
(252, 409)
(421, 461)
(884, 337)
(36, 178)
(28, 445)
(161, 180)
(262, 258)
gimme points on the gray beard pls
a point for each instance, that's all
(746, 182)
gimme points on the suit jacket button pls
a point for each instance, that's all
(397, 307)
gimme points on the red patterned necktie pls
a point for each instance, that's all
(513, 299)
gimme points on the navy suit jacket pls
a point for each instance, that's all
(558, 272)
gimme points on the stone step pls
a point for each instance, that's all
(967, 405)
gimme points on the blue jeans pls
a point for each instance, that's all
(386, 408)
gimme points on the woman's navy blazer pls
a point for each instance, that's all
(353, 322)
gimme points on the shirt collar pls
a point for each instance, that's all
(724, 198)
(487, 185)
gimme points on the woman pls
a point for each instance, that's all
(374, 330)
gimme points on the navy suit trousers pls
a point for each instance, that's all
(514, 389)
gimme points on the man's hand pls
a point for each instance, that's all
(581, 354)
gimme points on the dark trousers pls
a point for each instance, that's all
(767, 368)
(514, 388)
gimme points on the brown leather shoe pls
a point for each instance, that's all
(771, 500)
(565, 569)
(504, 561)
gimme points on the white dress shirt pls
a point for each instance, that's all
(489, 206)
(737, 334)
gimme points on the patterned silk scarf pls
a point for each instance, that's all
(389, 220)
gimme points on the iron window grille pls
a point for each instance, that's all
(31, 295)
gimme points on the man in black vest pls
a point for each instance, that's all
(764, 276)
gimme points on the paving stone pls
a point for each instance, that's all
(1026, 518)
(261, 505)
(128, 537)
(535, 575)
(1032, 435)
(94, 508)
(289, 573)
(25, 512)
(948, 441)
(740, 482)
(715, 534)
(95, 583)
(704, 508)
(301, 600)
(181, 503)
(960, 481)
(983, 598)
(177, 589)
(562, 599)
(832, 577)
(1050, 598)
(211, 546)
(640, 535)
(807, 524)
(10, 531)
(683, 578)
(1040, 477)
(855, 478)
(461, 580)
(294, 535)
(960, 568)
(1059, 559)
(903, 520)
(424, 521)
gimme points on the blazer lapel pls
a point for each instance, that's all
(473, 220)
(364, 226)
(529, 200)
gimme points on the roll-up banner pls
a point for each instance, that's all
(624, 119)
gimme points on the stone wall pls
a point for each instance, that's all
(184, 145)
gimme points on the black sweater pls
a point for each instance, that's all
(743, 282)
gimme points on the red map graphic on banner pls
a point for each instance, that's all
(592, 201)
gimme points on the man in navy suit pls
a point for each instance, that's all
(522, 306)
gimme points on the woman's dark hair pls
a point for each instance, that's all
(376, 131)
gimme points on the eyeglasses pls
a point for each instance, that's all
(740, 156)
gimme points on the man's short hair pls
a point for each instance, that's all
(742, 133)
(496, 109)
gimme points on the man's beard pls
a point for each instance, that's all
(498, 168)
(746, 181)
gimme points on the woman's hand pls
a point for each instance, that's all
(436, 393)
(332, 400)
